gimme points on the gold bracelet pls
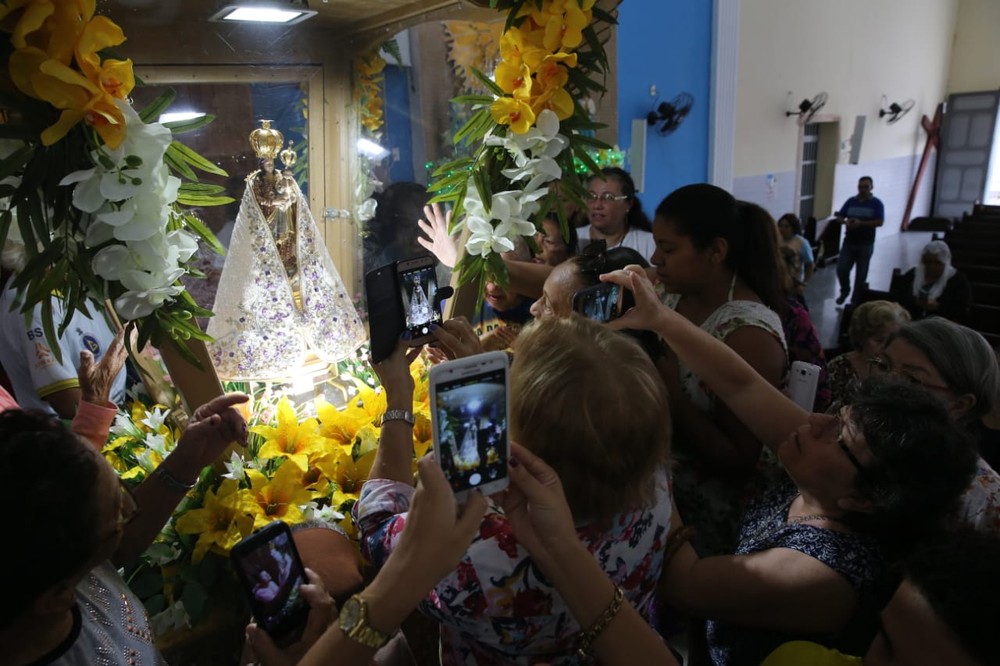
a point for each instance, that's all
(587, 638)
(675, 541)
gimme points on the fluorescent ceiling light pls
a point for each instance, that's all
(174, 116)
(257, 13)
(371, 149)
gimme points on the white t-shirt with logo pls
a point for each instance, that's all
(29, 362)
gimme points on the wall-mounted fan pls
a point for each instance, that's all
(895, 111)
(669, 115)
(808, 108)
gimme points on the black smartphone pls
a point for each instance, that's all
(418, 293)
(385, 316)
(269, 567)
(601, 302)
(469, 420)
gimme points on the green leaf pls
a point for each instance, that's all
(158, 106)
(194, 159)
(202, 188)
(14, 162)
(469, 127)
(203, 201)
(179, 166)
(486, 81)
(199, 227)
(483, 100)
(182, 126)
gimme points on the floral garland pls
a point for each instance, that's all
(368, 90)
(529, 129)
(90, 184)
(299, 465)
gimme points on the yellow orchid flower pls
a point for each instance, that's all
(281, 497)
(54, 27)
(226, 516)
(291, 439)
(555, 99)
(563, 21)
(515, 113)
(519, 47)
(39, 76)
(114, 77)
(514, 79)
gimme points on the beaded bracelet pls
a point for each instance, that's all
(587, 638)
(171, 481)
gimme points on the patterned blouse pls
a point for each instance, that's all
(980, 504)
(858, 558)
(704, 498)
(497, 607)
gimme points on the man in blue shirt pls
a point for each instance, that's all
(861, 215)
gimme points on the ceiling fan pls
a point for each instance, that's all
(669, 115)
(808, 108)
(896, 111)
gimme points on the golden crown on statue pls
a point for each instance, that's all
(266, 141)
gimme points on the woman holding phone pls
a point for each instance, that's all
(811, 550)
(496, 605)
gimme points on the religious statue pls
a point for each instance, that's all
(280, 296)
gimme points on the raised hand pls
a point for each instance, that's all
(648, 312)
(212, 428)
(457, 338)
(96, 379)
(438, 242)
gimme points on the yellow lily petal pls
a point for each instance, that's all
(514, 113)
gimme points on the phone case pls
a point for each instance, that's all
(600, 302)
(385, 312)
(271, 571)
(469, 420)
(802, 384)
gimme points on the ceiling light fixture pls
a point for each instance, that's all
(251, 11)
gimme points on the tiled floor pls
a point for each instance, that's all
(895, 250)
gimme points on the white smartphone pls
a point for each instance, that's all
(469, 419)
(802, 384)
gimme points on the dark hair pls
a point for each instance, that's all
(572, 239)
(959, 576)
(392, 234)
(868, 178)
(922, 459)
(636, 218)
(44, 464)
(793, 221)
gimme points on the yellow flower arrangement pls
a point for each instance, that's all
(368, 90)
(531, 127)
(300, 464)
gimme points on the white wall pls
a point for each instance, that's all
(975, 60)
(855, 51)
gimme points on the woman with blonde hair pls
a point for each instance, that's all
(871, 327)
(589, 402)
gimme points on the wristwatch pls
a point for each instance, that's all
(353, 622)
(397, 415)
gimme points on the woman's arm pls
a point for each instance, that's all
(767, 412)
(777, 589)
(527, 278)
(394, 458)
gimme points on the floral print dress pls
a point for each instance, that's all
(497, 607)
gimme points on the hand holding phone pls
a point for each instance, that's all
(269, 567)
(601, 302)
(469, 419)
(802, 383)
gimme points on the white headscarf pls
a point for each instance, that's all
(942, 252)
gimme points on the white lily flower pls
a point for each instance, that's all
(156, 442)
(154, 419)
(235, 468)
(328, 514)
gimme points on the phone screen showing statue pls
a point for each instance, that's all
(471, 435)
(599, 303)
(418, 289)
(272, 572)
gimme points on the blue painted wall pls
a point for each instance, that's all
(666, 43)
(398, 126)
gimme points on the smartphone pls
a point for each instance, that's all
(385, 316)
(802, 384)
(269, 567)
(601, 302)
(418, 288)
(469, 419)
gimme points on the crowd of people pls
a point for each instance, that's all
(665, 490)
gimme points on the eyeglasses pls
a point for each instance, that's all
(839, 426)
(606, 197)
(882, 365)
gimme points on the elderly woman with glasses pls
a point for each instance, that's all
(811, 550)
(956, 365)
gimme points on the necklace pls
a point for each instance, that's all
(768, 527)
